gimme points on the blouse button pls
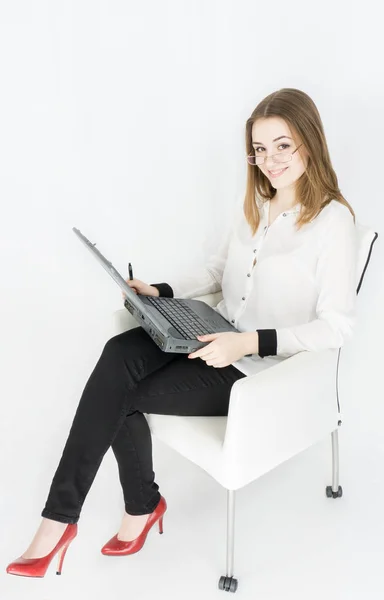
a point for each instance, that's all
(243, 298)
(255, 250)
(233, 320)
(248, 274)
(284, 214)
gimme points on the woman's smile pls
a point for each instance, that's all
(277, 173)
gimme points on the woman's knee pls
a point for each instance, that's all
(113, 344)
(126, 339)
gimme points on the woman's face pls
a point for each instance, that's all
(264, 141)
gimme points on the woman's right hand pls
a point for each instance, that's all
(139, 287)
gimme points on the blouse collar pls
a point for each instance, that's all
(294, 210)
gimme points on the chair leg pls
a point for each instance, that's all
(335, 460)
(230, 531)
(335, 490)
(228, 582)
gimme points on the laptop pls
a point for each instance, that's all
(172, 323)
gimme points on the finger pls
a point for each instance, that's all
(220, 364)
(215, 363)
(201, 353)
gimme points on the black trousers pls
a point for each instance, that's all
(132, 376)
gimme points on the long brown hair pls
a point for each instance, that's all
(318, 185)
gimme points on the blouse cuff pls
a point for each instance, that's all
(267, 342)
(165, 289)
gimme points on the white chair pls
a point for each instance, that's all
(272, 416)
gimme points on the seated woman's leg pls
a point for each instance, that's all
(184, 386)
(125, 361)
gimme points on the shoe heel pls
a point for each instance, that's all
(161, 525)
(61, 557)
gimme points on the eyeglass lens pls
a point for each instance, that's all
(282, 157)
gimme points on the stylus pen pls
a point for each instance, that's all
(130, 271)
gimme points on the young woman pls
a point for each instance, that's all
(287, 270)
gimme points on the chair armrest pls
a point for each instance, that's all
(279, 412)
(123, 320)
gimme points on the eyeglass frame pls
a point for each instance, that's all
(272, 155)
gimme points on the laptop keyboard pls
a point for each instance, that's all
(180, 315)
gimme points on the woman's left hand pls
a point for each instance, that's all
(225, 348)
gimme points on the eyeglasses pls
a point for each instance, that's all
(281, 157)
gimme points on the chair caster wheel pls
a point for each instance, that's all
(228, 584)
(331, 494)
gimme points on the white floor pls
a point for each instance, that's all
(292, 542)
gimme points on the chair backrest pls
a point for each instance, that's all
(366, 237)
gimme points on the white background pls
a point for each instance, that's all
(126, 120)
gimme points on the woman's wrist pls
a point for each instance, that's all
(163, 289)
(251, 342)
(156, 291)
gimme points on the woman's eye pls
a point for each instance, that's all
(282, 146)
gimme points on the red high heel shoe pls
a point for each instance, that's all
(116, 547)
(37, 567)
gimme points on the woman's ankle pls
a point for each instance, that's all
(45, 539)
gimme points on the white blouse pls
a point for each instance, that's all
(303, 284)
